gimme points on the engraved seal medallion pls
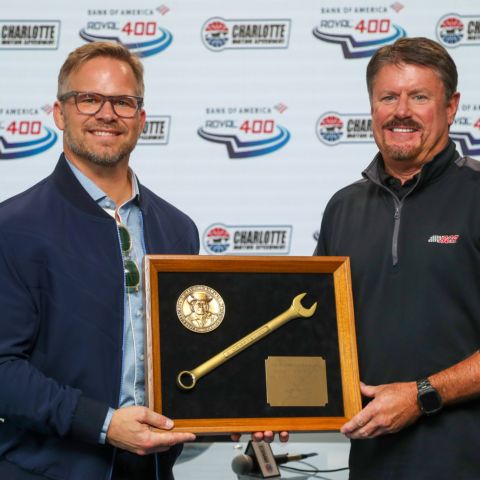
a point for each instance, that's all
(200, 308)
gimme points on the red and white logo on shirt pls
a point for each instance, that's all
(443, 239)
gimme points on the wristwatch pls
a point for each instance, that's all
(428, 398)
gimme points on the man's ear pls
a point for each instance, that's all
(58, 115)
(452, 107)
(143, 117)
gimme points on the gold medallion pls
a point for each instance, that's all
(200, 308)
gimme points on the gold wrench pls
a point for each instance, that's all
(187, 379)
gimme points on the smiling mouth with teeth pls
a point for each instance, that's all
(102, 133)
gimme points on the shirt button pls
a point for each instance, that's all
(142, 357)
(139, 313)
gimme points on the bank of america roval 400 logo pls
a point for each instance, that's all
(23, 132)
(334, 128)
(360, 31)
(221, 34)
(220, 239)
(465, 130)
(137, 29)
(458, 30)
(245, 131)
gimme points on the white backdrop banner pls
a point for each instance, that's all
(257, 111)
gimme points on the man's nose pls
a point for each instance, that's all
(106, 112)
(402, 109)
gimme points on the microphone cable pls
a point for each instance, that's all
(313, 470)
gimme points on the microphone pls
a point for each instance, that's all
(244, 464)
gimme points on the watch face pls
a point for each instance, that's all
(430, 401)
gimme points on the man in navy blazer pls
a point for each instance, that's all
(72, 391)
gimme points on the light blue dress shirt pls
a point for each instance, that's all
(132, 389)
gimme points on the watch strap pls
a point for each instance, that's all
(423, 385)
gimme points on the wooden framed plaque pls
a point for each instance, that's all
(242, 344)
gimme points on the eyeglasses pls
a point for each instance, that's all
(90, 103)
(132, 274)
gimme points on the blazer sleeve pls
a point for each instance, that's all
(28, 398)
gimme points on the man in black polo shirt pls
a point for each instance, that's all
(411, 227)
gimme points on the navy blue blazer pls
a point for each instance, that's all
(61, 323)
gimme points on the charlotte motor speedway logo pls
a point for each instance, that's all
(156, 130)
(456, 30)
(245, 131)
(360, 31)
(221, 34)
(333, 128)
(220, 239)
(465, 130)
(23, 132)
(29, 34)
(137, 29)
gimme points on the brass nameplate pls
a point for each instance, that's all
(296, 381)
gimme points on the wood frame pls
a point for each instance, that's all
(338, 266)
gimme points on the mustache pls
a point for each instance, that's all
(407, 123)
(113, 126)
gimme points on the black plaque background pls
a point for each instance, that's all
(237, 387)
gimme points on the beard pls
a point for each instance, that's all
(103, 159)
(402, 152)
